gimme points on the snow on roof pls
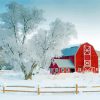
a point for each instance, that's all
(64, 63)
(70, 51)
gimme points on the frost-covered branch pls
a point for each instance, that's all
(50, 42)
(17, 23)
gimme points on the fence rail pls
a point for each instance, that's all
(39, 90)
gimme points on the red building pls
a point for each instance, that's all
(81, 58)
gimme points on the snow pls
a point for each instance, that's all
(44, 79)
(64, 62)
(42, 97)
(11, 75)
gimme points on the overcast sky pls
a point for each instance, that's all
(84, 14)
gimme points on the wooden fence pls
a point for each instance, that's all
(39, 90)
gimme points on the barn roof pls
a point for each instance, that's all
(70, 51)
(64, 63)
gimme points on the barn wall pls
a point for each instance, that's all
(72, 59)
(94, 58)
(79, 58)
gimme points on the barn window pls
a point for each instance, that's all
(56, 70)
(51, 70)
(62, 70)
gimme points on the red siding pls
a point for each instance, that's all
(80, 59)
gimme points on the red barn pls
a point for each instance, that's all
(81, 58)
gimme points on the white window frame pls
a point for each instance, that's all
(56, 70)
(96, 69)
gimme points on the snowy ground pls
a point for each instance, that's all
(44, 79)
(41, 97)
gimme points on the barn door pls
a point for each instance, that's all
(87, 56)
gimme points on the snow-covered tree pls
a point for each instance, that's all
(50, 42)
(16, 24)
(41, 45)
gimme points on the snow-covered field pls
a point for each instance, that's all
(54, 97)
(41, 97)
(44, 79)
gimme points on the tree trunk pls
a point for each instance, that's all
(28, 75)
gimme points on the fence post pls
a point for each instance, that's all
(76, 89)
(3, 89)
(38, 90)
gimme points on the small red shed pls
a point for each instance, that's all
(61, 65)
(82, 58)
